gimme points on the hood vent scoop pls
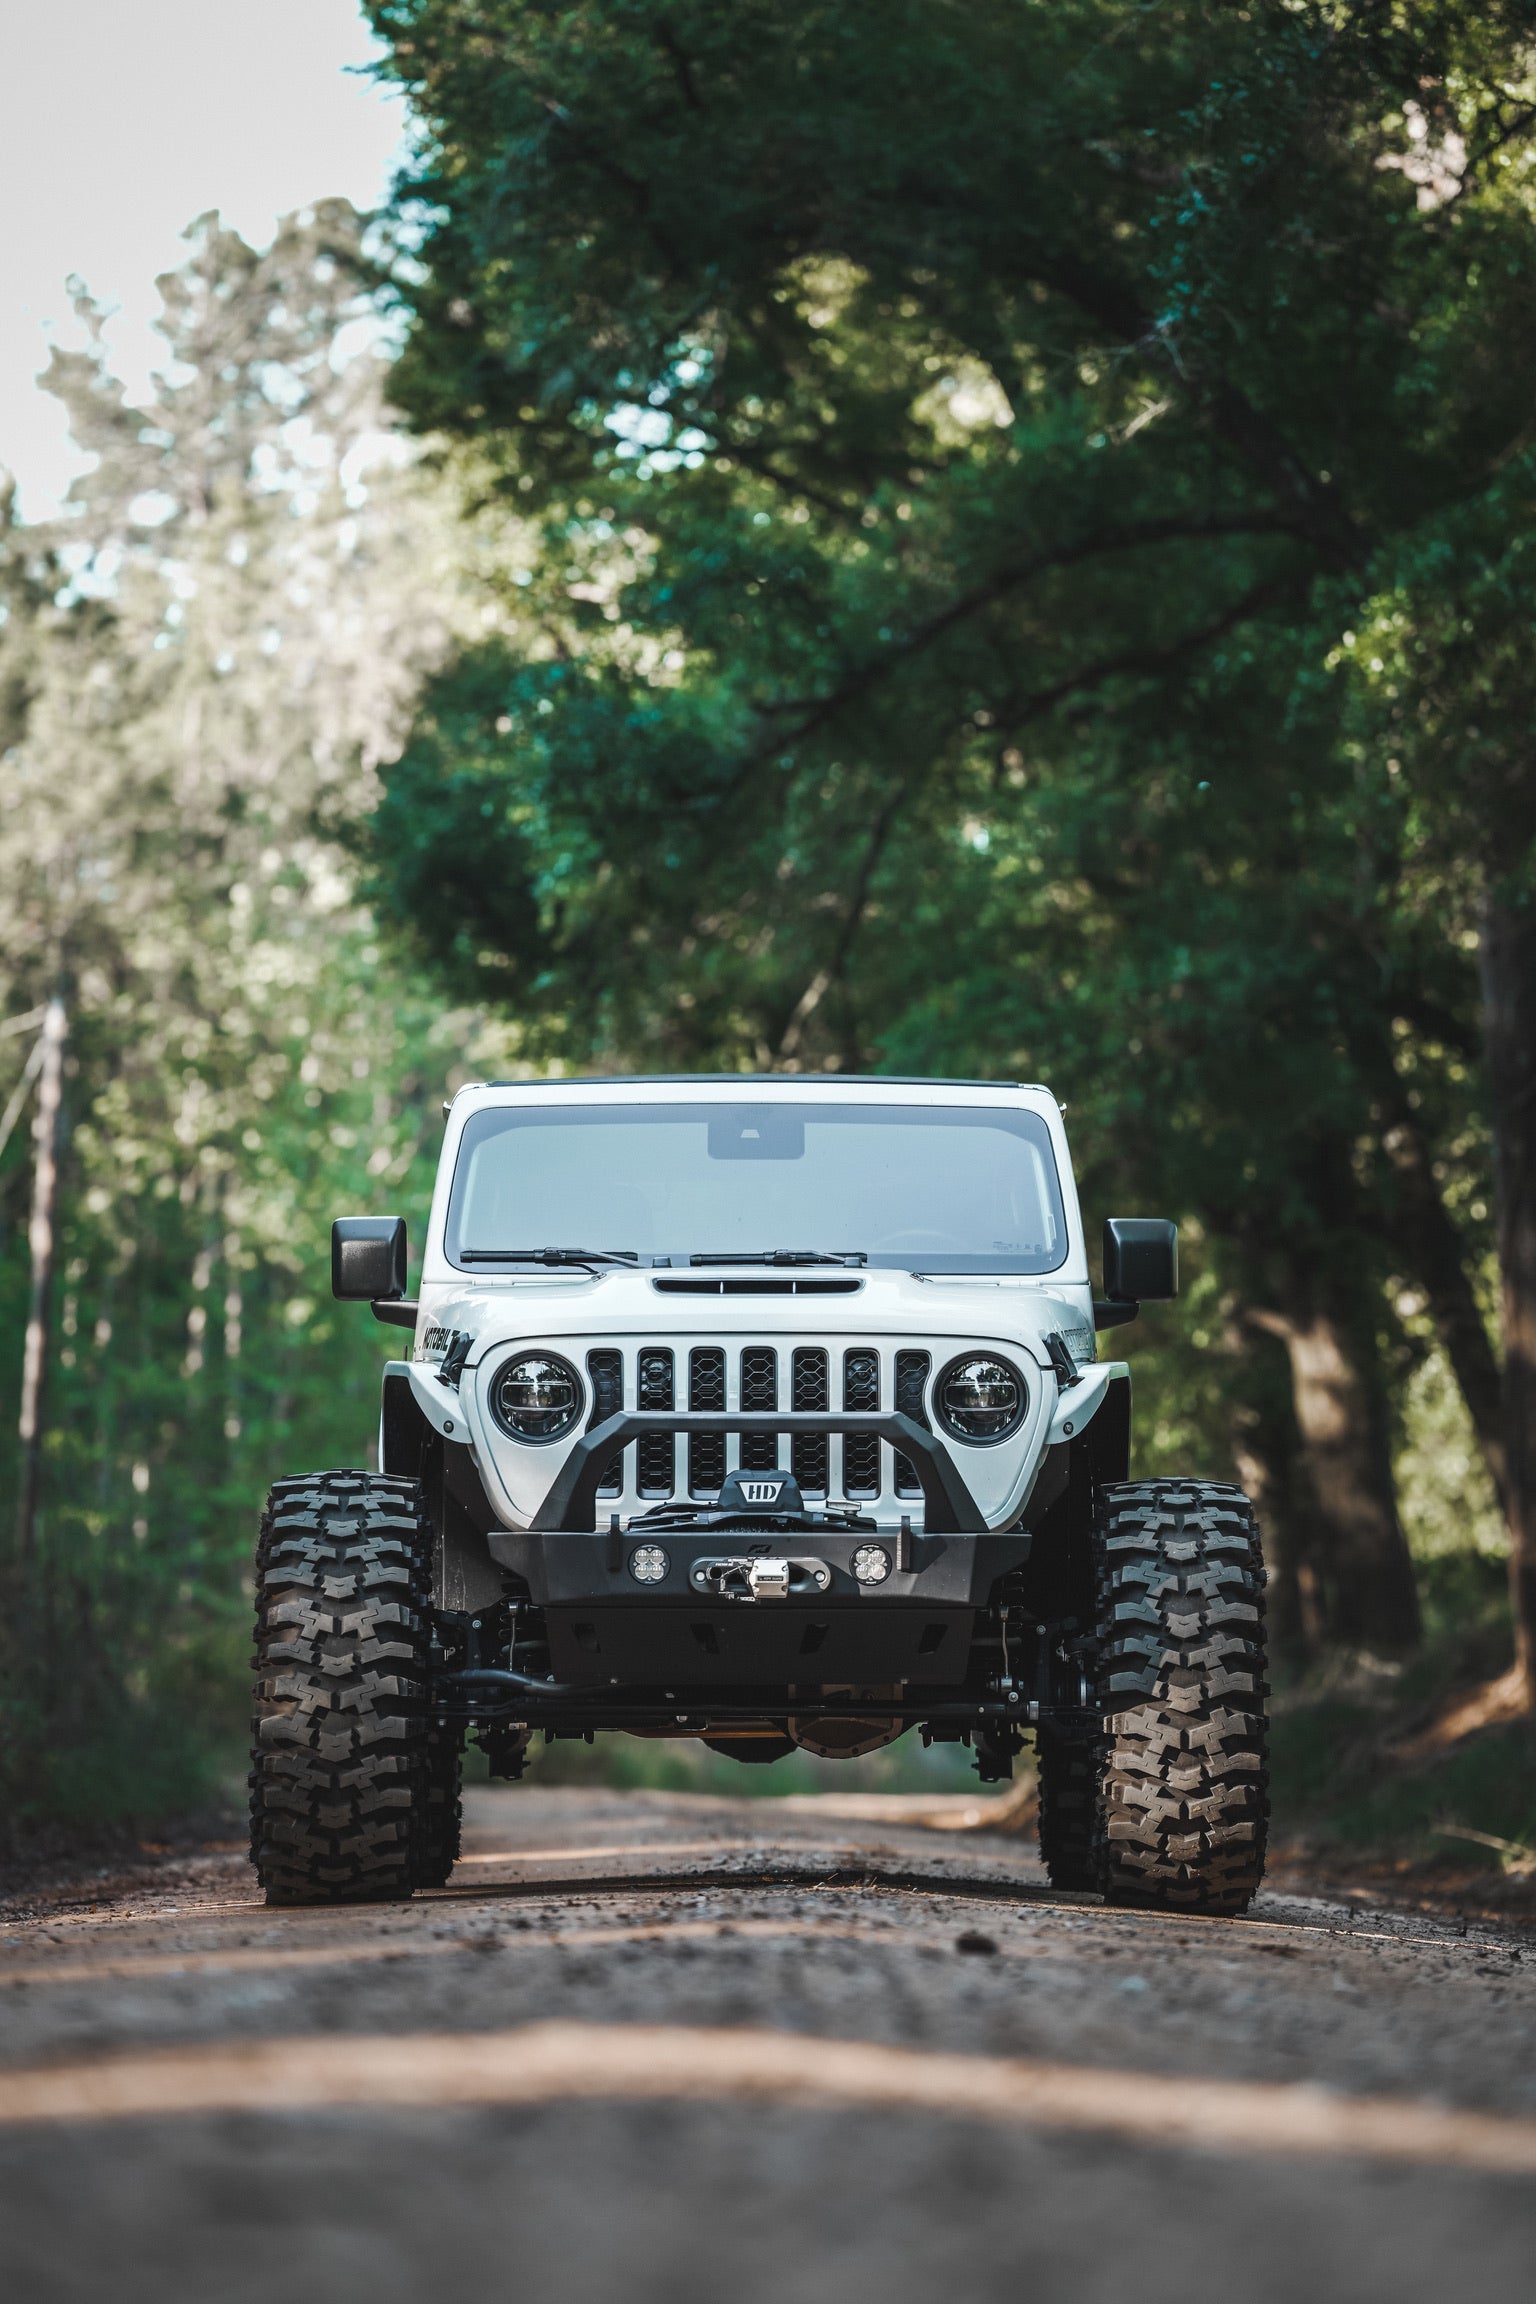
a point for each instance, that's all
(763, 1287)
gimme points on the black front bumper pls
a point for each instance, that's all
(604, 1627)
(608, 1630)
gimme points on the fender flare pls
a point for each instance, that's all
(1097, 1410)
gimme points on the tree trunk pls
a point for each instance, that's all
(1369, 1599)
(1427, 1239)
(40, 1234)
(1508, 963)
(1266, 1448)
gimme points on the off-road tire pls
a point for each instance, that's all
(1069, 1767)
(1184, 1801)
(439, 1818)
(341, 1737)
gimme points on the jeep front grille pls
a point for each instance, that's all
(853, 1467)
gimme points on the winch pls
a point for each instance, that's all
(749, 1576)
(753, 1503)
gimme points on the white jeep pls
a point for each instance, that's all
(765, 1411)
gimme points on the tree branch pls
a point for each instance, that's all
(1042, 701)
(1146, 660)
(819, 710)
(1320, 514)
(667, 41)
(858, 900)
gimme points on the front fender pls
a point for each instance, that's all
(438, 1402)
(1078, 1404)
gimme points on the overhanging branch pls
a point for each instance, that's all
(817, 711)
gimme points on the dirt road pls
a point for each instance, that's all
(661, 2047)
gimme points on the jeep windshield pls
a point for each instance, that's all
(924, 1187)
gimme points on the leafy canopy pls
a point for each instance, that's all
(899, 392)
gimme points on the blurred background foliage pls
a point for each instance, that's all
(201, 665)
(831, 536)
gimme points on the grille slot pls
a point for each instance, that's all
(605, 1371)
(810, 1387)
(911, 1381)
(657, 1472)
(759, 1389)
(861, 1450)
(706, 1392)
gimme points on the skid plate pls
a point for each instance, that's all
(781, 1645)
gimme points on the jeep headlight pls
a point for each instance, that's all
(980, 1399)
(537, 1396)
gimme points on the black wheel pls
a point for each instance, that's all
(340, 1803)
(1068, 1762)
(1184, 1787)
(439, 1819)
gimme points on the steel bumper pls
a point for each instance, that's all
(568, 1567)
(821, 1625)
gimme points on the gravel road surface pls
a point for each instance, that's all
(658, 2046)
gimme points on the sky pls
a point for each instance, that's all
(121, 121)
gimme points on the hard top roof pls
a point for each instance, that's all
(777, 1079)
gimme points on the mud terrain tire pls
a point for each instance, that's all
(1068, 1764)
(342, 1746)
(439, 1822)
(1184, 1801)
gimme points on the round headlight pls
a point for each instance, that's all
(536, 1396)
(980, 1400)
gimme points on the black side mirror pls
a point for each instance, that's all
(368, 1259)
(1141, 1259)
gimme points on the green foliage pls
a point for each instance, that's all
(1449, 1507)
(964, 445)
(1347, 1778)
(1332, 1788)
(197, 1359)
(202, 662)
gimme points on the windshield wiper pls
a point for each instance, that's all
(548, 1256)
(789, 1256)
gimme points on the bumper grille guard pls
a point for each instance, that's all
(949, 1509)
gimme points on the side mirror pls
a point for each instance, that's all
(368, 1258)
(1141, 1259)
